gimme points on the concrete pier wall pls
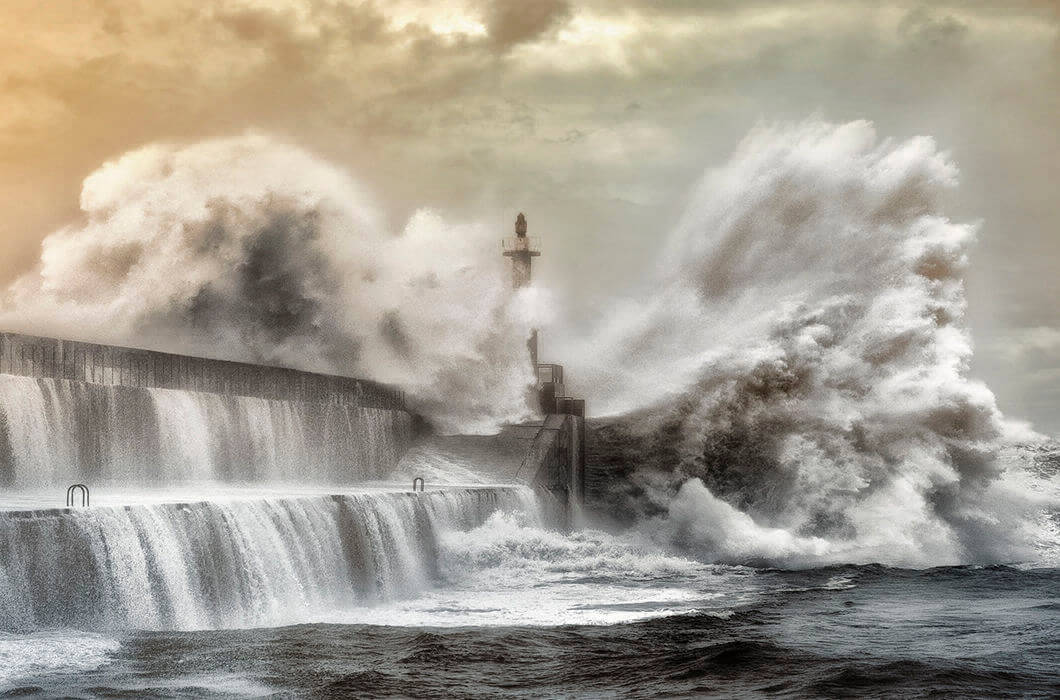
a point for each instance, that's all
(556, 460)
(72, 411)
(32, 356)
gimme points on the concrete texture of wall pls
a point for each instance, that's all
(556, 459)
(33, 356)
(96, 413)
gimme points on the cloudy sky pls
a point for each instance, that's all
(596, 118)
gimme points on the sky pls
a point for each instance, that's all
(595, 118)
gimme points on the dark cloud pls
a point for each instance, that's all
(512, 22)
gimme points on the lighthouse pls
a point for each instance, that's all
(562, 428)
(522, 250)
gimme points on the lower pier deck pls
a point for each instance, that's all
(104, 497)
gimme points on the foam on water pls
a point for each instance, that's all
(511, 571)
(26, 657)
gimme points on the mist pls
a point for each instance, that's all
(789, 380)
(251, 249)
(796, 386)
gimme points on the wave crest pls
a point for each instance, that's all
(806, 361)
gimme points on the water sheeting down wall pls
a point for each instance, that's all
(219, 564)
(77, 412)
(56, 432)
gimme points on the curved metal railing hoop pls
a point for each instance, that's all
(418, 480)
(85, 498)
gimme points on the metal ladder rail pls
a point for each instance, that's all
(85, 498)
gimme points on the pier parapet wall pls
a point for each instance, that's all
(53, 358)
(73, 412)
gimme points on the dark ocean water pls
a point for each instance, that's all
(867, 631)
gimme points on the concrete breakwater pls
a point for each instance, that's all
(73, 411)
(109, 365)
(231, 562)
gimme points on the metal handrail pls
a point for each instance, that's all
(85, 499)
(420, 480)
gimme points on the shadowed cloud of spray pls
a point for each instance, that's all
(250, 249)
(795, 390)
(791, 390)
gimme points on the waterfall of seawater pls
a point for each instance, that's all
(250, 559)
(56, 432)
(224, 564)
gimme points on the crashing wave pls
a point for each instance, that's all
(797, 388)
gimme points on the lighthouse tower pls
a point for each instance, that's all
(522, 249)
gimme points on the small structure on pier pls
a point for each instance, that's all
(550, 389)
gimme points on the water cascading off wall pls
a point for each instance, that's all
(224, 564)
(54, 432)
(233, 494)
